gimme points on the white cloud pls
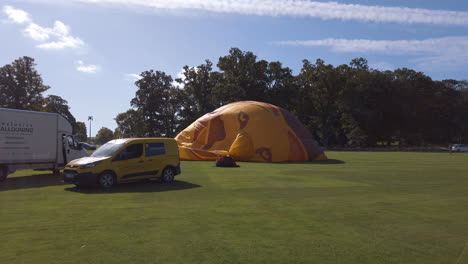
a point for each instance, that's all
(90, 68)
(16, 15)
(56, 38)
(301, 8)
(62, 43)
(132, 77)
(448, 51)
(37, 32)
(179, 75)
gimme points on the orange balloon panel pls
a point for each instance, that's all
(249, 131)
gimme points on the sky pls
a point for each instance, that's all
(90, 52)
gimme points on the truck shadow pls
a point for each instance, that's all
(32, 181)
(135, 187)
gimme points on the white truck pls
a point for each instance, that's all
(36, 140)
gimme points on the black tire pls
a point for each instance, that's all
(167, 175)
(3, 173)
(106, 180)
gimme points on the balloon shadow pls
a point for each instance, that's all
(328, 161)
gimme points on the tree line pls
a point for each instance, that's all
(346, 105)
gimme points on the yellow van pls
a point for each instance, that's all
(125, 160)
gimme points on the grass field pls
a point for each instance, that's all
(360, 207)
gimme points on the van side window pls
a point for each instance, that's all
(130, 152)
(153, 149)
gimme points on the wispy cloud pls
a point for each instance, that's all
(436, 45)
(437, 51)
(132, 77)
(57, 37)
(302, 8)
(90, 68)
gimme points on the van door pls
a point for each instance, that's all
(154, 157)
(71, 149)
(130, 164)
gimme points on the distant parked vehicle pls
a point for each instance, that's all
(459, 148)
(36, 140)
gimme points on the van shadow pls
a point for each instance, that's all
(328, 161)
(136, 187)
(32, 181)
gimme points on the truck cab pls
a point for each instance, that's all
(73, 149)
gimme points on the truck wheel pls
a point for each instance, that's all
(167, 175)
(3, 173)
(106, 180)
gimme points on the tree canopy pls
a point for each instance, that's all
(103, 135)
(21, 85)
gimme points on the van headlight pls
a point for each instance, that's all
(89, 165)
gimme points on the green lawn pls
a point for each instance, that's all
(357, 208)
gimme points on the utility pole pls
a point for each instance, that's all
(90, 118)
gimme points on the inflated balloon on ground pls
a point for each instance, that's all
(249, 131)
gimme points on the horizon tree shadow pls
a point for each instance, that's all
(31, 181)
(136, 187)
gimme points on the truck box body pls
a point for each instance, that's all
(36, 140)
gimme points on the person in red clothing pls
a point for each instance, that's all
(226, 161)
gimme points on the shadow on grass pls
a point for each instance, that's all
(135, 187)
(32, 181)
(328, 161)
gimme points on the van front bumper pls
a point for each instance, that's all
(85, 178)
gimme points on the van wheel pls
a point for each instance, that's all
(3, 173)
(106, 180)
(167, 175)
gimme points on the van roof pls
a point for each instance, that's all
(125, 140)
(31, 112)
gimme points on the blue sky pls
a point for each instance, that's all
(89, 51)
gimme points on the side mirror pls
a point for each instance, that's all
(87, 146)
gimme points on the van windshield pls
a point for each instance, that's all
(108, 149)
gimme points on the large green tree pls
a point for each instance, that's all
(130, 124)
(320, 91)
(103, 135)
(81, 131)
(244, 78)
(196, 97)
(21, 85)
(157, 100)
(282, 89)
(56, 104)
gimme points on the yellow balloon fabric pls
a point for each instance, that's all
(249, 131)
